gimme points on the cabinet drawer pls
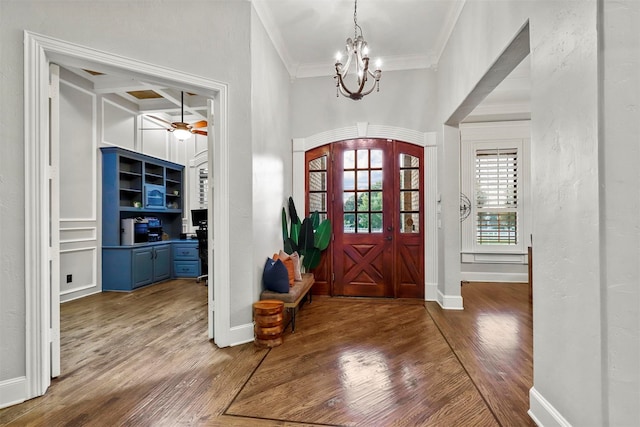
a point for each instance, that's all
(186, 268)
(185, 253)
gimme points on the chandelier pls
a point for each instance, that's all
(358, 55)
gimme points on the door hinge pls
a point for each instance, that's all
(333, 277)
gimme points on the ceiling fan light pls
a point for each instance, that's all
(182, 133)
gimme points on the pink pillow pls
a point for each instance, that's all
(297, 276)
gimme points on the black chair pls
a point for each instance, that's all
(203, 254)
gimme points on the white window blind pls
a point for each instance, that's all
(496, 196)
(203, 179)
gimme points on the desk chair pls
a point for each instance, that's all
(203, 254)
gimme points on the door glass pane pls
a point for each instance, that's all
(363, 207)
(409, 194)
(409, 161)
(317, 181)
(376, 201)
(409, 179)
(349, 223)
(349, 159)
(376, 223)
(349, 202)
(376, 158)
(409, 201)
(349, 180)
(376, 180)
(363, 223)
(318, 202)
(363, 202)
(318, 164)
(409, 223)
(363, 159)
(363, 180)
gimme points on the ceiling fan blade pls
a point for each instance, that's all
(200, 124)
(161, 120)
(199, 132)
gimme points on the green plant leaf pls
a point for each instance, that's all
(285, 235)
(289, 246)
(305, 240)
(322, 236)
(295, 232)
(315, 220)
(312, 258)
(293, 214)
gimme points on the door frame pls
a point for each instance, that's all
(39, 52)
(427, 140)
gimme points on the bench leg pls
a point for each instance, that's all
(293, 319)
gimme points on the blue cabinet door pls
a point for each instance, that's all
(161, 263)
(142, 261)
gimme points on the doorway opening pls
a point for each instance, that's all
(40, 52)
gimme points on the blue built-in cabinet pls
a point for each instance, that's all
(137, 185)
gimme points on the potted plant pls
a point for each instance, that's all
(308, 237)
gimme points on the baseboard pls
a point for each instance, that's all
(13, 391)
(476, 276)
(450, 302)
(241, 334)
(431, 292)
(543, 413)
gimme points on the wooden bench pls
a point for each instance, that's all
(292, 299)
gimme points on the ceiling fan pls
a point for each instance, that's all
(181, 129)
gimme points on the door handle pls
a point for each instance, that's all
(389, 238)
(389, 228)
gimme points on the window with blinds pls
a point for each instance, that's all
(203, 180)
(496, 196)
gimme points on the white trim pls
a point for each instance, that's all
(450, 302)
(427, 140)
(543, 413)
(93, 235)
(431, 292)
(493, 258)
(430, 221)
(39, 51)
(98, 291)
(78, 289)
(241, 334)
(482, 276)
(94, 115)
(13, 391)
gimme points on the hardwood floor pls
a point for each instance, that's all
(143, 359)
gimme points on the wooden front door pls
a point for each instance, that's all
(378, 246)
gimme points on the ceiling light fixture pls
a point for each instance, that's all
(357, 53)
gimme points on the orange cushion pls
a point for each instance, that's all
(288, 262)
(297, 276)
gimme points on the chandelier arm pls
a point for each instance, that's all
(342, 87)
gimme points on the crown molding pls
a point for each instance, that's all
(274, 34)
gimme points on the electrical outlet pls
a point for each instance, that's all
(69, 278)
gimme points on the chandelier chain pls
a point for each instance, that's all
(356, 27)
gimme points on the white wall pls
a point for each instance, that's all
(272, 150)
(407, 99)
(619, 152)
(584, 373)
(146, 32)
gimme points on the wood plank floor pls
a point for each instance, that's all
(143, 359)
